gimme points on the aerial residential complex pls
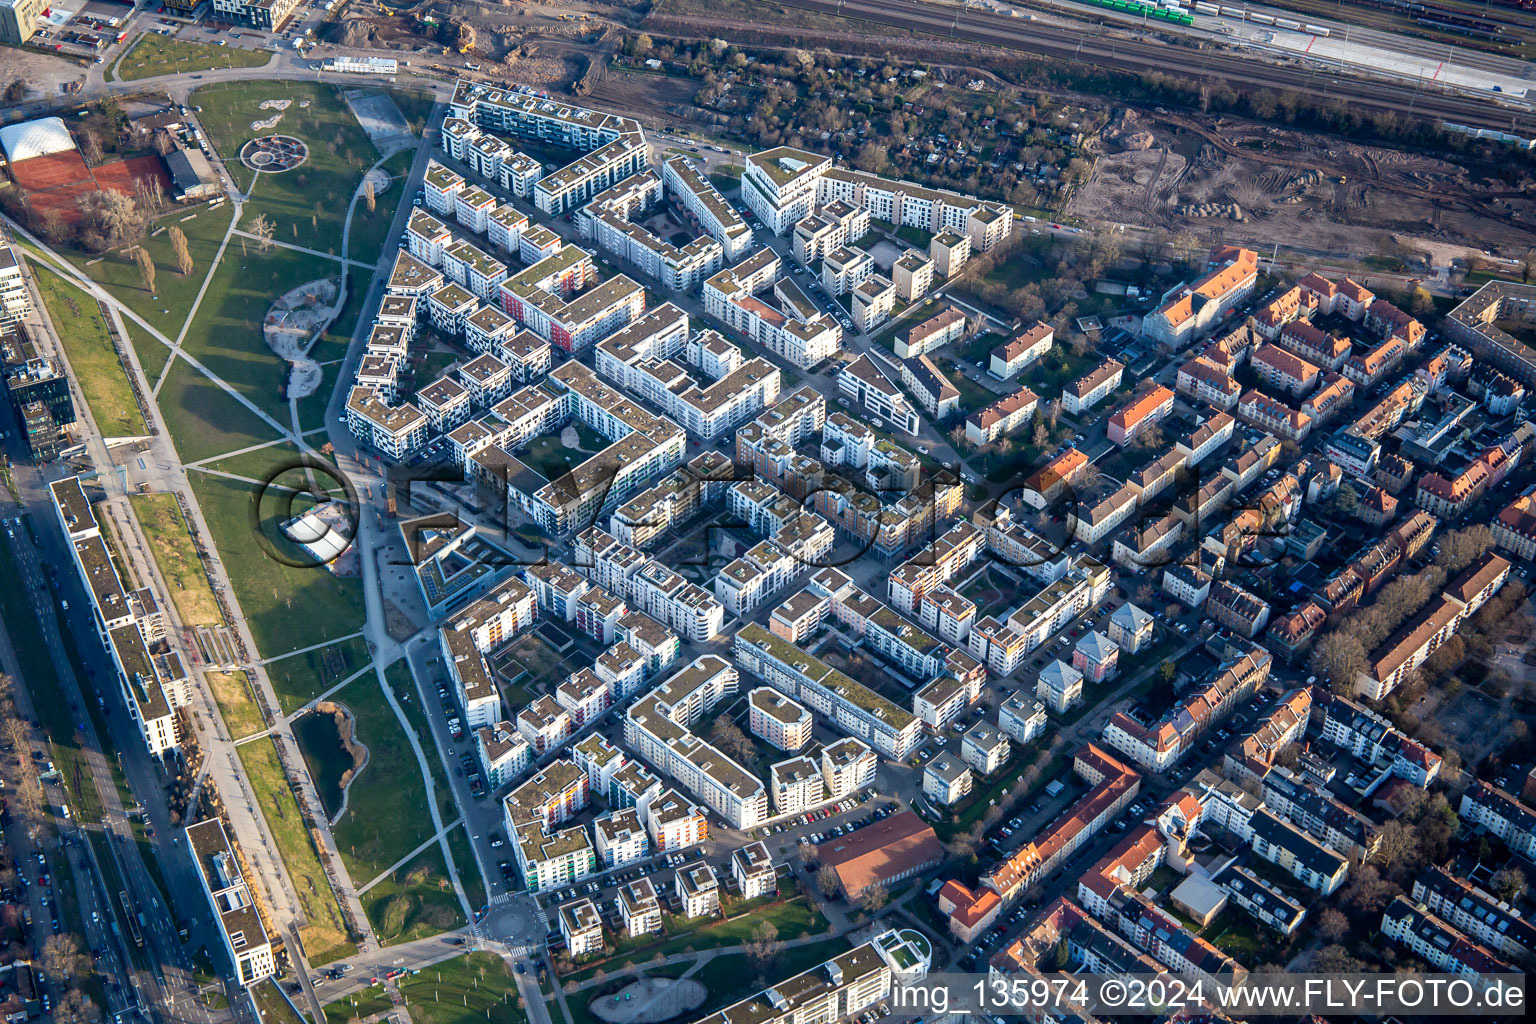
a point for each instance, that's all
(847, 576)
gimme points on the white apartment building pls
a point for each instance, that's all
(1059, 686)
(844, 269)
(698, 195)
(639, 908)
(873, 302)
(1022, 718)
(946, 780)
(912, 273)
(748, 581)
(675, 822)
(797, 784)
(866, 384)
(582, 927)
(754, 871)
(698, 890)
(847, 766)
(657, 728)
(621, 839)
(984, 748)
(828, 229)
(644, 358)
(848, 706)
(229, 895)
(792, 326)
(781, 721)
(504, 753)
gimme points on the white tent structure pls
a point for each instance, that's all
(35, 138)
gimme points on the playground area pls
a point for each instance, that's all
(650, 1001)
(273, 154)
(292, 324)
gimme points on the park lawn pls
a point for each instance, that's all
(358, 1005)
(724, 975)
(312, 407)
(469, 989)
(468, 869)
(226, 335)
(206, 421)
(401, 681)
(155, 55)
(170, 542)
(307, 205)
(386, 816)
(166, 308)
(299, 678)
(237, 704)
(257, 463)
(370, 231)
(415, 901)
(325, 938)
(151, 352)
(793, 917)
(66, 745)
(288, 608)
(92, 355)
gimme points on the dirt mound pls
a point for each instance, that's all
(355, 32)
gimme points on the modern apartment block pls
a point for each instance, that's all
(773, 311)
(221, 871)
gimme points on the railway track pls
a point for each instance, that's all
(1093, 45)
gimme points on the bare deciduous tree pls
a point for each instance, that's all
(368, 195)
(261, 227)
(179, 247)
(146, 264)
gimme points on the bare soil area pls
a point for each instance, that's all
(1258, 183)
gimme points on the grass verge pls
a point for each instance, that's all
(155, 55)
(325, 938)
(287, 608)
(468, 989)
(386, 816)
(92, 355)
(177, 557)
(416, 901)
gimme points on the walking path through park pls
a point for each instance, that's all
(223, 764)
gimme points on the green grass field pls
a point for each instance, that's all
(415, 901)
(370, 231)
(88, 344)
(473, 988)
(398, 676)
(358, 1005)
(287, 608)
(387, 814)
(307, 204)
(469, 870)
(237, 704)
(164, 527)
(256, 464)
(155, 54)
(166, 308)
(226, 335)
(300, 678)
(205, 420)
(325, 937)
